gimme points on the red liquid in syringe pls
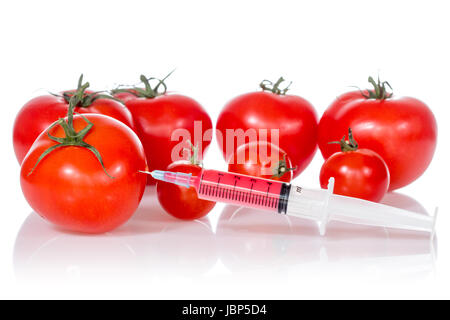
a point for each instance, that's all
(242, 190)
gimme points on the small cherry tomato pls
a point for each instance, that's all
(261, 159)
(180, 202)
(359, 173)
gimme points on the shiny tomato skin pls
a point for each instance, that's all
(254, 164)
(40, 112)
(125, 96)
(69, 187)
(180, 202)
(360, 174)
(155, 121)
(293, 116)
(403, 131)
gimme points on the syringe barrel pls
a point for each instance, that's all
(243, 190)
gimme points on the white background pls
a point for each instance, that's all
(220, 50)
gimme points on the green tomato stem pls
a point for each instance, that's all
(350, 145)
(267, 85)
(148, 91)
(72, 138)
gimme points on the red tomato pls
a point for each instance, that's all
(359, 173)
(261, 159)
(70, 188)
(402, 130)
(157, 115)
(181, 202)
(40, 112)
(293, 117)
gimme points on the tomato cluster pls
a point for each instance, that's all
(82, 152)
(401, 130)
(268, 113)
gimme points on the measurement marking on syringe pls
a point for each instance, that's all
(201, 182)
(269, 184)
(236, 179)
(218, 183)
(251, 189)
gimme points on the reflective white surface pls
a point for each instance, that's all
(252, 246)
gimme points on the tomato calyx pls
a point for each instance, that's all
(86, 99)
(72, 138)
(379, 91)
(194, 155)
(267, 85)
(281, 168)
(347, 145)
(148, 91)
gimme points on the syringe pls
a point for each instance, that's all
(320, 205)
